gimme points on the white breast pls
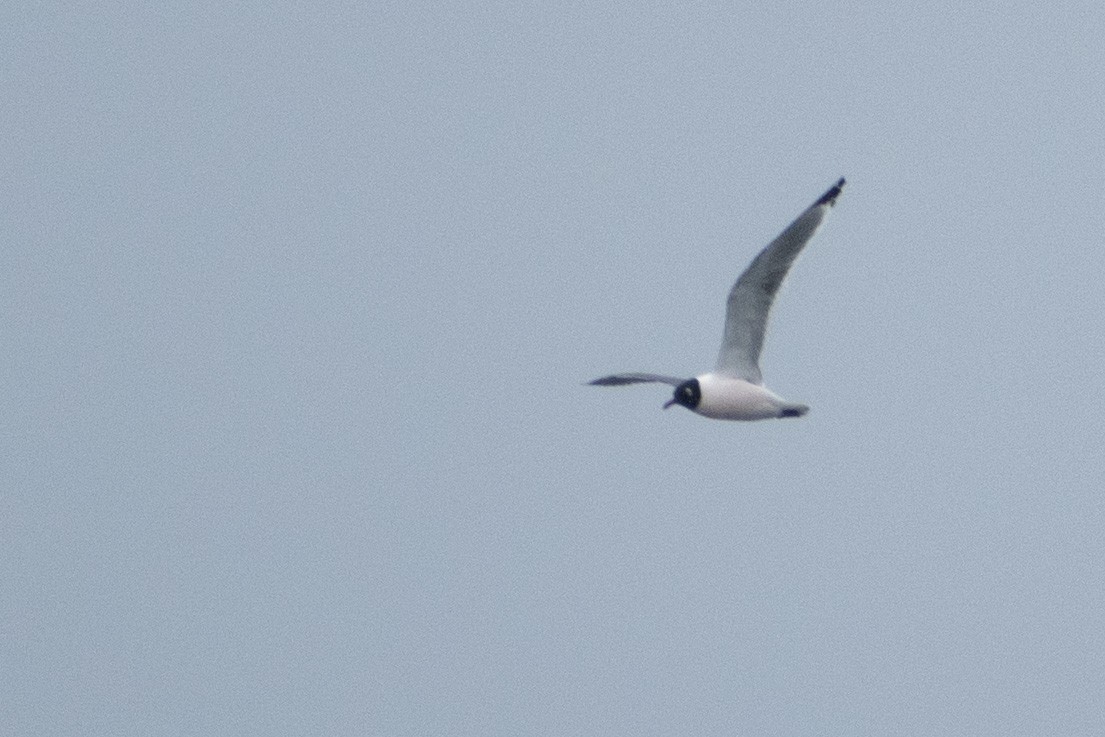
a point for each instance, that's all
(724, 398)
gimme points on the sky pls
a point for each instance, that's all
(300, 299)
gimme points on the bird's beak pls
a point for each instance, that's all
(669, 403)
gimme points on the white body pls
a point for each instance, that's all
(726, 398)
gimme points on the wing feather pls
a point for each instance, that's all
(634, 378)
(752, 295)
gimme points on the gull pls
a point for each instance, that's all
(735, 390)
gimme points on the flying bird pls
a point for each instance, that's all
(734, 390)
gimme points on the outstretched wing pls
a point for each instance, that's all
(751, 297)
(634, 378)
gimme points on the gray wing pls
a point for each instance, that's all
(634, 378)
(751, 297)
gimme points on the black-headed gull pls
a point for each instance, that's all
(734, 390)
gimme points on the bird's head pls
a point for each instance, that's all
(687, 394)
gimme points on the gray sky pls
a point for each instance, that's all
(298, 302)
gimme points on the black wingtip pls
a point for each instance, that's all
(829, 198)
